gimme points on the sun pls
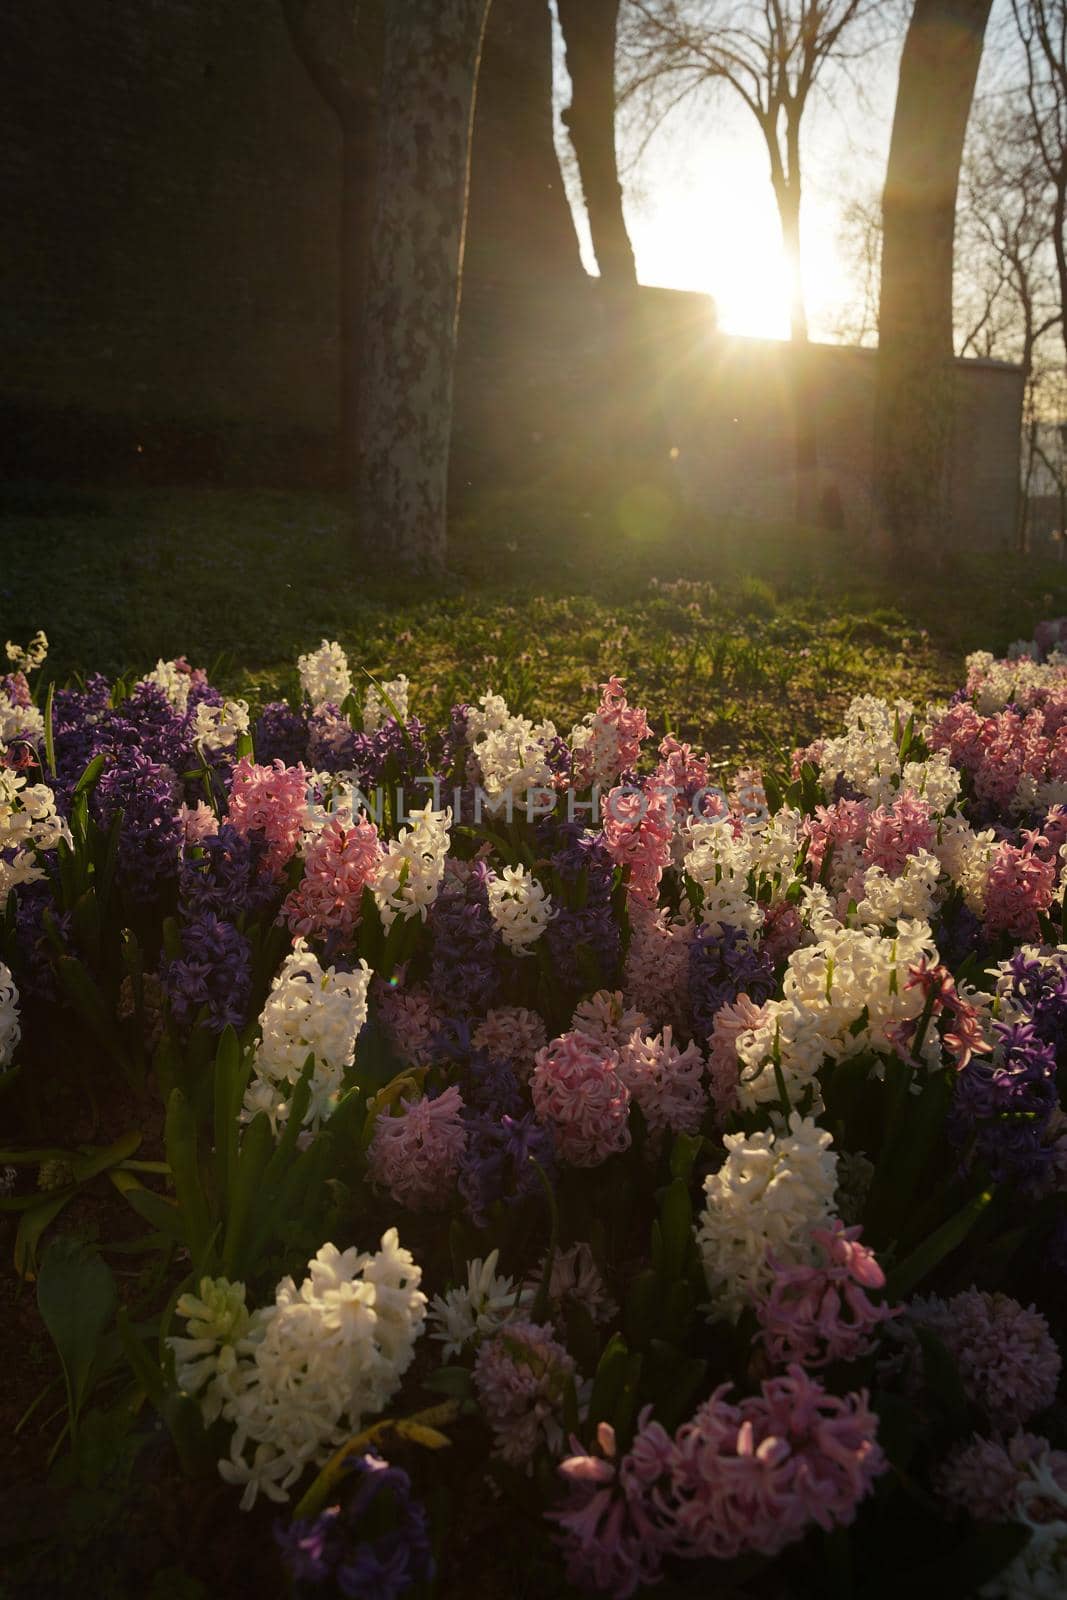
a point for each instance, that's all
(728, 243)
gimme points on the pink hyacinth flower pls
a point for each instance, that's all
(578, 1092)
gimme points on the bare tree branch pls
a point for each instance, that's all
(1042, 30)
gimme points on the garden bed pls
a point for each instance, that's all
(672, 1193)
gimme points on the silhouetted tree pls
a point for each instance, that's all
(520, 228)
(913, 421)
(340, 44)
(431, 55)
(589, 29)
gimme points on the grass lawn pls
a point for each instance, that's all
(743, 639)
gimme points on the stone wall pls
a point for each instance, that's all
(536, 396)
(737, 444)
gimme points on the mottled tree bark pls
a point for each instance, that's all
(432, 51)
(340, 44)
(589, 38)
(913, 413)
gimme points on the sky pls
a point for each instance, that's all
(701, 213)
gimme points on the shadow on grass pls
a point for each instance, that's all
(726, 629)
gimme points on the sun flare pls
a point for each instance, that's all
(687, 246)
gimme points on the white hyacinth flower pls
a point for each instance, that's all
(220, 1331)
(324, 675)
(217, 728)
(175, 683)
(17, 721)
(324, 1356)
(519, 907)
(309, 1012)
(770, 1192)
(32, 657)
(408, 877)
(479, 1308)
(10, 1027)
(29, 823)
(510, 753)
(376, 708)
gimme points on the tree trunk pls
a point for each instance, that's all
(432, 50)
(354, 227)
(589, 41)
(1023, 525)
(789, 212)
(785, 180)
(787, 192)
(913, 413)
(803, 396)
(1042, 30)
(1059, 243)
(1029, 341)
(520, 230)
(523, 277)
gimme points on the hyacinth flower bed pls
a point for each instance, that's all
(513, 1158)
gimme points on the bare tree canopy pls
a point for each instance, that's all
(1006, 295)
(770, 54)
(860, 242)
(1042, 27)
(1007, 291)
